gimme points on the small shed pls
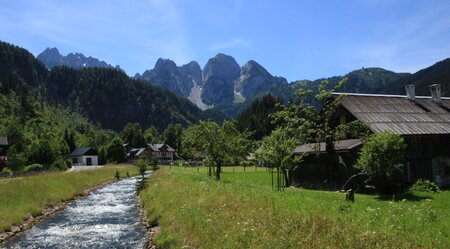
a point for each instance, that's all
(86, 156)
(322, 170)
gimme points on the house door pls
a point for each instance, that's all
(88, 161)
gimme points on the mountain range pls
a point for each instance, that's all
(221, 83)
(51, 58)
(226, 86)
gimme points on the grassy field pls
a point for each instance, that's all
(22, 196)
(243, 211)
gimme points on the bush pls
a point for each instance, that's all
(6, 170)
(381, 159)
(61, 164)
(33, 167)
(142, 165)
(424, 185)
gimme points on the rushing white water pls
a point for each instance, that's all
(108, 218)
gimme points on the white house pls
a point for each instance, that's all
(84, 157)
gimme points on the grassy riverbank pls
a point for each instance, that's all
(243, 211)
(25, 196)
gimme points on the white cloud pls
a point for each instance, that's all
(228, 44)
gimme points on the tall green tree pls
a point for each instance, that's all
(69, 138)
(172, 135)
(215, 142)
(114, 151)
(132, 133)
(151, 135)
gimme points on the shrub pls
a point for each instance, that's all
(142, 165)
(33, 167)
(61, 164)
(424, 185)
(381, 159)
(6, 170)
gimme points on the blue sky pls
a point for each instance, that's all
(293, 39)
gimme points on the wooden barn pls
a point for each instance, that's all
(424, 122)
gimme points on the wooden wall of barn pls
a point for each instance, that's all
(427, 156)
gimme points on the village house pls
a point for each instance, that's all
(163, 153)
(84, 157)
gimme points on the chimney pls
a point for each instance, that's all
(411, 92)
(436, 93)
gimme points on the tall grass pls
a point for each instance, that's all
(24, 196)
(243, 211)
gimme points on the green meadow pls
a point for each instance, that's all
(21, 197)
(242, 211)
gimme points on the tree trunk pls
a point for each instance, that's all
(218, 170)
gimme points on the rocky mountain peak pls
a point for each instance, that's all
(219, 75)
(254, 68)
(194, 70)
(51, 58)
(165, 64)
(223, 66)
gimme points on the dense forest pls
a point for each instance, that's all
(109, 97)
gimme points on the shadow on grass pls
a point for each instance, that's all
(402, 196)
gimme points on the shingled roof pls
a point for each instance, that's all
(86, 151)
(397, 114)
(160, 147)
(339, 146)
